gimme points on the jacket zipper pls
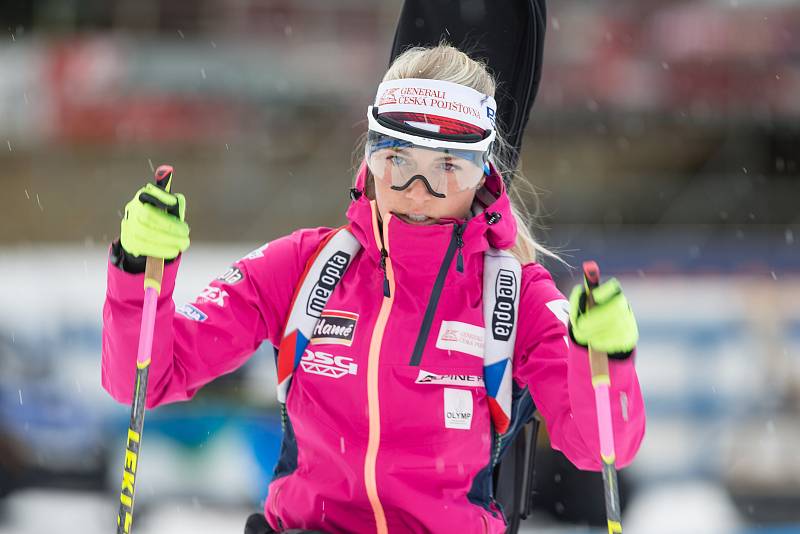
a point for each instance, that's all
(384, 256)
(373, 404)
(459, 235)
(456, 244)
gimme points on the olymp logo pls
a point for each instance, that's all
(322, 363)
(335, 327)
(457, 408)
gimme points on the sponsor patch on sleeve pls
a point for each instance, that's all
(559, 308)
(462, 337)
(425, 377)
(457, 408)
(232, 276)
(257, 253)
(335, 327)
(213, 294)
(192, 313)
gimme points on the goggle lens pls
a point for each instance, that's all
(397, 162)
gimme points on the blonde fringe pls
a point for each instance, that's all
(447, 63)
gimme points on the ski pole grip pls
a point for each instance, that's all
(154, 268)
(591, 278)
(164, 177)
(598, 360)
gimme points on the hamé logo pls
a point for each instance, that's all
(336, 327)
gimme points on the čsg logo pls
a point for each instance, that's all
(322, 363)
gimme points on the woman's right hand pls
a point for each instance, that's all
(154, 225)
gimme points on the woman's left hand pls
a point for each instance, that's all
(609, 326)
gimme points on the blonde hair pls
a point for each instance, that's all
(447, 63)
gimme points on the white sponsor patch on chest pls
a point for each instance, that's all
(426, 377)
(462, 337)
(457, 408)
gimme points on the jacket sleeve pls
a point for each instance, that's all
(213, 335)
(557, 373)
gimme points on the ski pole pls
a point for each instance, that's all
(154, 270)
(601, 382)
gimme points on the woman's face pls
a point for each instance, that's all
(415, 204)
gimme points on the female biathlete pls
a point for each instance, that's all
(405, 338)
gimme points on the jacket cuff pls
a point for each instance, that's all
(127, 262)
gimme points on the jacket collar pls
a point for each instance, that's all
(422, 247)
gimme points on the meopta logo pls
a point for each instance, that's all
(332, 272)
(505, 291)
(322, 363)
(335, 327)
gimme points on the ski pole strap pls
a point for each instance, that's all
(324, 270)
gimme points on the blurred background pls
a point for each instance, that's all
(664, 143)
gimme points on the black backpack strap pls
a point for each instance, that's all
(528, 488)
(508, 35)
(513, 475)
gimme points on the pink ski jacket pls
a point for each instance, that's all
(373, 441)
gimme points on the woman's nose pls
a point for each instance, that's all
(417, 191)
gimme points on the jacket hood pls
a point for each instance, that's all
(491, 224)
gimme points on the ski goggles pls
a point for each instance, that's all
(400, 152)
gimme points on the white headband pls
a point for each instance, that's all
(436, 97)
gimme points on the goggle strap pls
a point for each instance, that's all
(413, 130)
(428, 138)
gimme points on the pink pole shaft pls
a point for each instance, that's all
(602, 399)
(148, 325)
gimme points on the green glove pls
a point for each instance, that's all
(609, 326)
(149, 230)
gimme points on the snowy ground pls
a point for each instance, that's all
(703, 509)
(38, 511)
